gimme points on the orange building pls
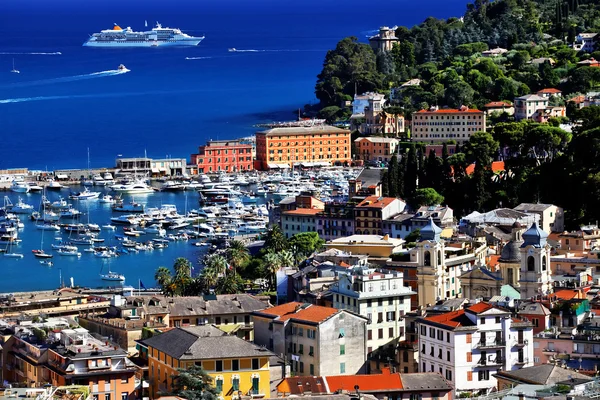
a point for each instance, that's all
(285, 147)
(223, 155)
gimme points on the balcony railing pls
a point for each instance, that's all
(490, 344)
(490, 362)
(522, 361)
(520, 343)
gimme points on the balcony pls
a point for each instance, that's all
(491, 362)
(522, 361)
(490, 345)
(520, 343)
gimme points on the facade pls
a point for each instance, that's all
(378, 121)
(535, 275)
(527, 107)
(70, 357)
(440, 125)
(549, 92)
(318, 340)
(238, 368)
(223, 155)
(384, 40)
(293, 145)
(381, 297)
(376, 148)
(552, 218)
(168, 166)
(375, 246)
(468, 347)
(585, 42)
(299, 220)
(499, 107)
(367, 183)
(335, 221)
(371, 213)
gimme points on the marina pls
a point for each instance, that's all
(100, 234)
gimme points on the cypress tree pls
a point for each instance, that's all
(392, 176)
(446, 176)
(410, 177)
(401, 174)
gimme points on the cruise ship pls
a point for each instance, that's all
(158, 36)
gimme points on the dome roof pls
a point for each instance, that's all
(534, 236)
(516, 225)
(510, 252)
(431, 231)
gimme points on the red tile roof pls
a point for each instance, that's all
(310, 313)
(549, 90)
(385, 381)
(577, 99)
(453, 319)
(566, 294)
(376, 202)
(301, 384)
(497, 166)
(498, 104)
(303, 211)
(450, 110)
(480, 307)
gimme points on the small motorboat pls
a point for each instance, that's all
(41, 254)
(13, 255)
(54, 185)
(109, 227)
(232, 49)
(107, 199)
(85, 195)
(14, 70)
(47, 263)
(68, 252)
(113, 276)
(122, 68)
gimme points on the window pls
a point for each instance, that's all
(107, 396)
(311, 351)
(219, 384)
(301, 349)
(219, 366)
(124, 380)
(448, 355)
(300, 331)
(342, 333)
(310, 333)
(342, 349)
(369, 335)
(255, 363)
(469, 337)
(497, 320)
(484, 375)
(391, 332)
(448, 337)
(423, 349)
(379, 302)
(235, 365)
(235, 383)
(380, 333)
(482, 320)
(440, 353)
(124, 395)
(311, 369)
(342, 368)
(301, 367)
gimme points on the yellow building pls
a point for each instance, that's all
(239, 369)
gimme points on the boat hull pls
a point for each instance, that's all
(148, 43)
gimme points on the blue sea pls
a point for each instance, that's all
(167, 105)
(68, 98)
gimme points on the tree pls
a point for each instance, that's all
(165, 281)
(410, 176)
(218, 263)
(426, 197)
(413, 236)
(237, 254)
(392, 177)
(194, 383)
(286, 259)
(275, 240)
(306, 243)
(272, 264)
(229, 284)
(458, 94)
(433, 170)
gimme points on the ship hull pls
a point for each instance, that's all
(149, 43)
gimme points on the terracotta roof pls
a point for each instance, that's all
(300, 384)
(549, 90)
(303, 211)
(494, 261)
(497, 166)
(450, 110)
(308, 312)
(480, 307)
(453, 319)
(376, 202)
(385, 381)
(577, 99)
(497, 104)
(566, 294)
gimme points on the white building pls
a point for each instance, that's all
(535, 275)
(585, 42)
(440, 125)
(527, 106)
(469, 346)
(381, 297)
(552, 218)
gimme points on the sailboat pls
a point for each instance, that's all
(146, 23)
(14, 70)
(9, 254)
(40, 253)
(112, 276)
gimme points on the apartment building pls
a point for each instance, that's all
(375, 148)
(317, 340)
(288, 146)
(238, 368)
(223, 155)
(380, 296)
(469, 346)
(440, 125)
(371, 214)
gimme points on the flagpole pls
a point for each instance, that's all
(139, 287)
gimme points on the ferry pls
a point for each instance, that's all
(157, 37)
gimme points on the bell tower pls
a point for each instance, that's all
(430, 271)
(535, 275)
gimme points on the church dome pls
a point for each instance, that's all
(534, 236)
(431, 231)
(510, 252)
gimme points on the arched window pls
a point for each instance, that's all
(544, 263)
(530, 263)
(427, 258)
(405, 356)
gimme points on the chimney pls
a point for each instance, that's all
(386, 237)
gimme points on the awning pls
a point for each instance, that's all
(273, 166)
(155, 170)
(322, 164)
(62, 176)
(308, 164)
(283, 166)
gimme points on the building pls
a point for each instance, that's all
(499, 107)
(134, 165)
(440, 125)
(238, 368)
(498, 51)
(549, 92)
(69, 357)
(371, 214)
(318, 340)
(223, 155)
(537, 313)
(291, 146)
(335, 221)
(552, 218)
(375, 246)
(535, 273)
(529, 106)
(168, 166)
(299, 220)
(379, 121)
(585, 42)
(380, 296)
(374, 148)
(367, 183)
(468, 347)
(384, 40)
(547, 374)
(386, 385)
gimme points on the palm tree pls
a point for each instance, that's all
(229, 284)
(286, 259)
(165, 280)
(237, 254)
(183, 275)
(272, 264)
(217, 262)
(275, 240)
(209, 277)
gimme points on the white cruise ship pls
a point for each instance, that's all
(158, 36)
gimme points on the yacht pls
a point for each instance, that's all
(172, 186)
(19, 187)
(157, 37)
(54, 185)
(69, 252)
(19, 208)
(131, 207)
(34, 187)
(85, 195)
(98, 180)
(113, 277)
(107, 199)
(126, 220)
(138, 187)
(108, 178)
